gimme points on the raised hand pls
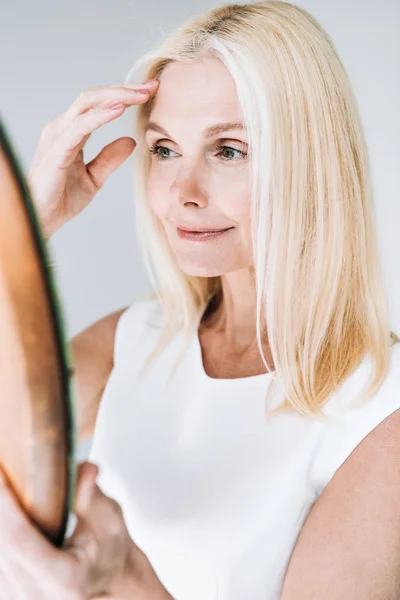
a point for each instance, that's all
(60, 182)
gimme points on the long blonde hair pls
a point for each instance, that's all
(317, 268)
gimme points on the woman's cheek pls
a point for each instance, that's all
(156, 197)
(235, 203)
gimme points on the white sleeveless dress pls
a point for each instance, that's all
(212, 492)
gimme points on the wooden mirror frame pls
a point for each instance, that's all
(37, 428)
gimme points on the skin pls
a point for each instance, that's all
(191, 184)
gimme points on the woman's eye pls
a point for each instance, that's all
(230, 150)
(155, 150)
(161, 153)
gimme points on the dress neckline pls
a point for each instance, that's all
(262, 377)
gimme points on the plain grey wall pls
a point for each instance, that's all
(52, 50)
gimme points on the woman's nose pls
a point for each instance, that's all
(195, 199)
(190, 189)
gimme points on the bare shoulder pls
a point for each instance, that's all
(92, 352)
(349, 546)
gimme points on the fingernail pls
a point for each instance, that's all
(142, 91)
(150, 81)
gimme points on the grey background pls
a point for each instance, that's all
(52, 50)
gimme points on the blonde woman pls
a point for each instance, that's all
(244, 417)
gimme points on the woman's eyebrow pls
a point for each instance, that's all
(209, 132)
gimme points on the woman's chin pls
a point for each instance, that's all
(198, 270)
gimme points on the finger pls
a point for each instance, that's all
(99, 97)
(87, 469)
(82, 545)
(72, 139)
(107, 95)
(110, 159)
(86, 481)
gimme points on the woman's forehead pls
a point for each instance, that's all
(191, 87)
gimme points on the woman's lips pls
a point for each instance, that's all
(201, 236)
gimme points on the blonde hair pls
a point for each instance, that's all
(317, 268)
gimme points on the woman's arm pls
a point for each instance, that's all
(349, 546)
(92, 356)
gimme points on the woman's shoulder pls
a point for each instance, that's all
(137, 325)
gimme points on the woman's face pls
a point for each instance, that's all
(192, 183)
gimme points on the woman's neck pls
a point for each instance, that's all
(227, 332)
(235, 315)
